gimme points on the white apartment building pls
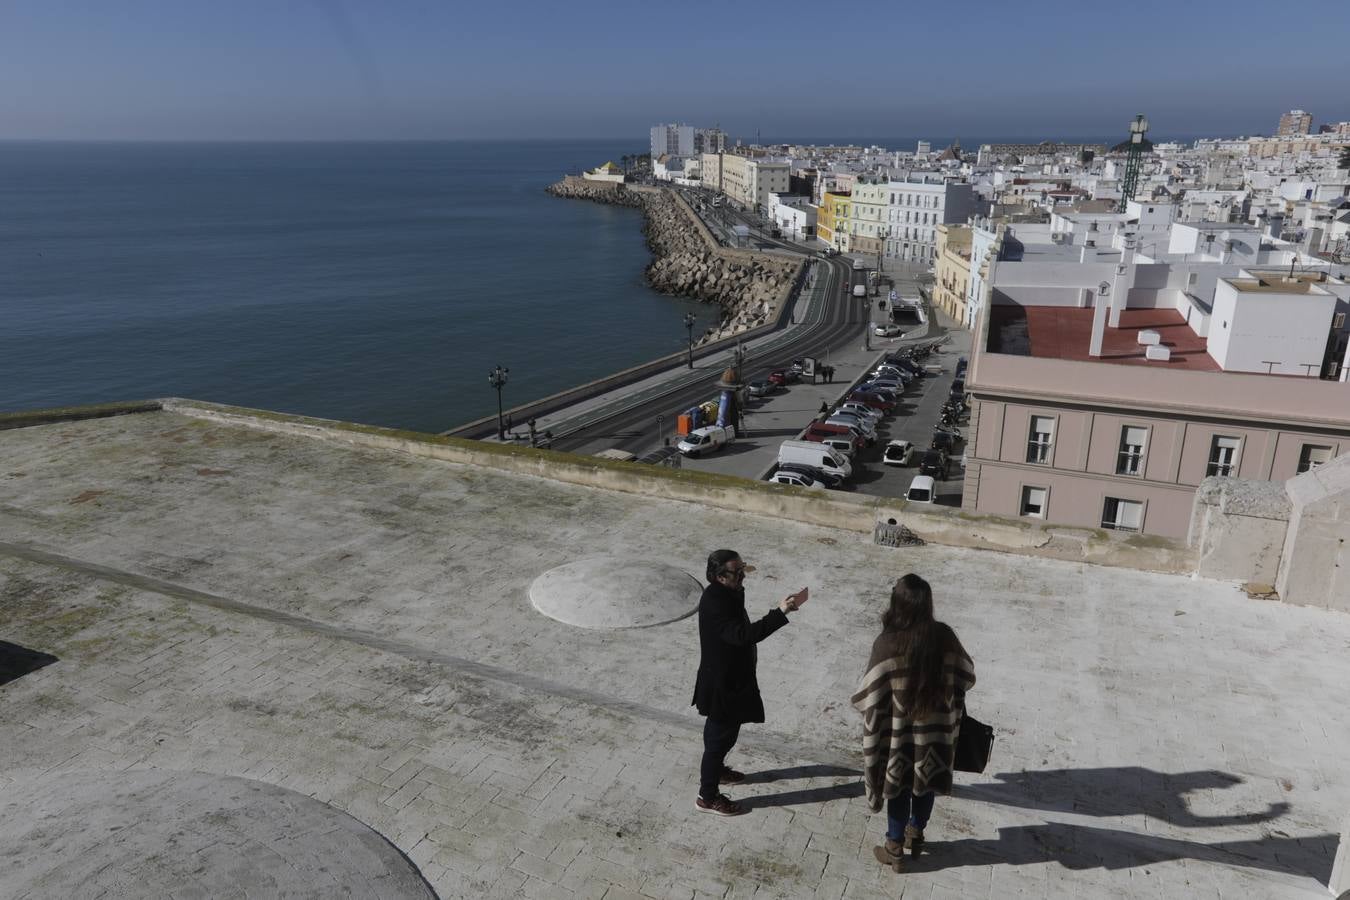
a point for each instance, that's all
(915, 208)
(672, 140)
(794, 215)
(746, 182)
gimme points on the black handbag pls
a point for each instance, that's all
(974, 742)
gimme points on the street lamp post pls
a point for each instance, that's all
(497, 378)
(689, 320)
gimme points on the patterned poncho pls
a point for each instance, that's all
(899, 752)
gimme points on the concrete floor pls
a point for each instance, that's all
(355, 626)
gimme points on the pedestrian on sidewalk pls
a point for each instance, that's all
(912, 698)
(824, 411)
(726, 691)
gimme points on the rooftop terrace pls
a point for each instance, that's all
(354, 626)
(1057, 332)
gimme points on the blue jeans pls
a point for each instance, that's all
(904, 809)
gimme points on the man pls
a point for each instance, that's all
(726, 691)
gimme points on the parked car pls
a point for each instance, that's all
(868, 434)
(874, 400)
(934, 463)
(864, 424)
(762, 388)
(778, 377)
(853, 430)
(957, 438)
(961, 365)
(829, 479)
(817, 455)
(888, 331)
(898, 453)
(706, 439)
(921, 490)
(797, 479)
(886, 369)
(791, 371)
(908, 365)
(863, 409)
(942, 440)
(844, 441)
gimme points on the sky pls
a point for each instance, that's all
(417, 69)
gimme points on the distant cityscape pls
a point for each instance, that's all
(1169, 261)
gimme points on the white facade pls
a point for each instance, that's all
(672, 140)
(794, 215)
(914, 210)
(984, 246)
(745, 181)
(1267, 327)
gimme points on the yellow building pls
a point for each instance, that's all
(832, 220)
(951, 275)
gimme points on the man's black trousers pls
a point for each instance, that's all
(718, 739)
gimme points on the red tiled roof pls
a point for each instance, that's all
(1057, 332)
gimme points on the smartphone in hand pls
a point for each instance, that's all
(799, 598)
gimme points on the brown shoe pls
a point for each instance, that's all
(721, 805)
(731, 776)
(913, 840)
(891, 854)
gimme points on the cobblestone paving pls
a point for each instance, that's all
(354, 627)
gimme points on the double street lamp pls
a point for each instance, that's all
(497, 378)
(689, 320)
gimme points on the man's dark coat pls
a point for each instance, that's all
(726, 689)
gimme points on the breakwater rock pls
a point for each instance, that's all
(750, 287)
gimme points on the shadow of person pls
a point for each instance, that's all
(1080, 847)
(807, 795)
(812, 771)
(1116, 791)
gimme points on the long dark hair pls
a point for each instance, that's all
(922, 639)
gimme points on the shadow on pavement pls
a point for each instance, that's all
(806, 795)
(1081, 847)
(1116, 791)
(809, 771)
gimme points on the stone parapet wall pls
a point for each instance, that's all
(752, 288)
(851, 512)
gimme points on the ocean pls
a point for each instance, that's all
(372, 282)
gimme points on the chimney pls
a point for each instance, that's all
(1121, 284)
(1099, 318)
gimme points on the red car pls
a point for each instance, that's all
(876, 401)
(778, 377)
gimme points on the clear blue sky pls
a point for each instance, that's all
(389, 69)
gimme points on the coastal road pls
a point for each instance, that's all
(633, 426)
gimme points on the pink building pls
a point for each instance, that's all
(1107, 407)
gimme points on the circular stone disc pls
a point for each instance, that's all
(615, 592)
(160, 833)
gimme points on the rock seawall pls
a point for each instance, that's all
(750, 287)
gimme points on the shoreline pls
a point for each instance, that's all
(750, 287)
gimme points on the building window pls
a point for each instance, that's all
(1223, 456)
(1313, 455)
(1040, 438)
(1122, 515)
(1132, 442)
(1033, 502)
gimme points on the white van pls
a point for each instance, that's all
(707, 439)
(921, 490)
(810, 453)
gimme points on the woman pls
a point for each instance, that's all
(912, 699)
